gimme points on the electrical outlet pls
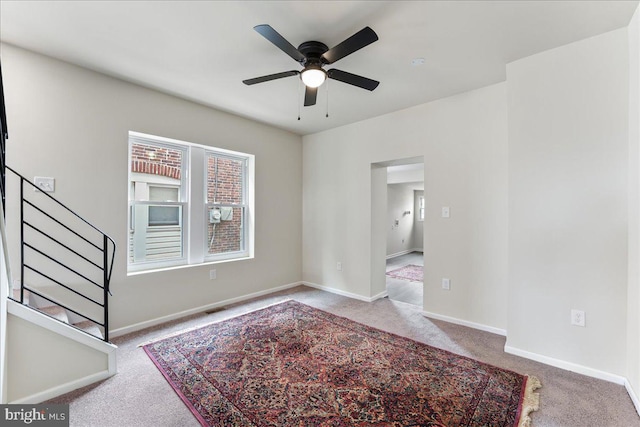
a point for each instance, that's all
(446, 212)
(577, 317)
(339, 266)
(213, 274)
(446, 284)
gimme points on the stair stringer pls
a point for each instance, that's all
(47, 358)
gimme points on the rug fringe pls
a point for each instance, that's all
(530, 401)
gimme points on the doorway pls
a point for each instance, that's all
(397, 223)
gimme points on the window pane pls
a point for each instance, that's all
(164, 194)
(224, 180)
(156, 174)
(157, 233)
(156, 161)
(224, 229)
(164, 215)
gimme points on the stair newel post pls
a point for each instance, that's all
(21, 241)
(105, 289)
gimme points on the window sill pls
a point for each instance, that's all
(181, 266)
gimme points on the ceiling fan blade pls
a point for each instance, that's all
(310, 95)
(362, 38)
(270, 77)
(274, 37)
(352, 79)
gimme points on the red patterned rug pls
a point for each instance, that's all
(294, 365)
(412, 273)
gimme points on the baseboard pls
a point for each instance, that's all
(467, 323)
(632, 395)
(568, 366)
(397, 254)
(163, 319)
(345, 293)
(381, 295)
(63, 389)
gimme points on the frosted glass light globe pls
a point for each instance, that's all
(313, 77)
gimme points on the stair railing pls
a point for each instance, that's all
(51, 257)
(4, 135)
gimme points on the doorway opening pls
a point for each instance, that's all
(401, 224)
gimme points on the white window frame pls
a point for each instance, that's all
(421, 208)
(194, 201)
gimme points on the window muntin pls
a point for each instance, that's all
(172, 193)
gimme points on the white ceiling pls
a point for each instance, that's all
(202, 50)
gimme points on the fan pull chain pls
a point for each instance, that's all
(327, 83)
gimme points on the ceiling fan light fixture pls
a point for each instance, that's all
(313, 77)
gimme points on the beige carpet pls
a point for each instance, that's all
(139, 396)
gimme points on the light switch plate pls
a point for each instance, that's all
(445, 212)
(44, 183)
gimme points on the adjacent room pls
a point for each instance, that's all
(240, 213)
(405, 214)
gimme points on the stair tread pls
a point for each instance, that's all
(16, 295)
(56, 312)
(90, 327)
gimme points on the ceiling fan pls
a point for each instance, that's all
(313, 56)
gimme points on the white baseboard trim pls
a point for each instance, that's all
(397, 254)
(381, 295)
(163, 319)
(345, 293)
(632, 395)
(568, 366)
(63, 389)
(467, 323)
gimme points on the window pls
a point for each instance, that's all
(226, 204)
(188, 203)
(421, 208)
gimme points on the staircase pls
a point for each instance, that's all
(55, 272)
(65, 261)
(59, 313)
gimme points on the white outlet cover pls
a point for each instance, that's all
(213, 274)
(446, 283)
(577, 317)
(445, 212)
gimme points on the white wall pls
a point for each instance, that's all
(71, 124)
(29, 374)
(418, 226)
(4, 294)
(633, 293)
(399, 201)
(464, 143)
(568, 165)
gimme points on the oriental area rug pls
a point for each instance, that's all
(412, 273)
(293, 365)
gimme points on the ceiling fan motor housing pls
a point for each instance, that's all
(313, 52)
